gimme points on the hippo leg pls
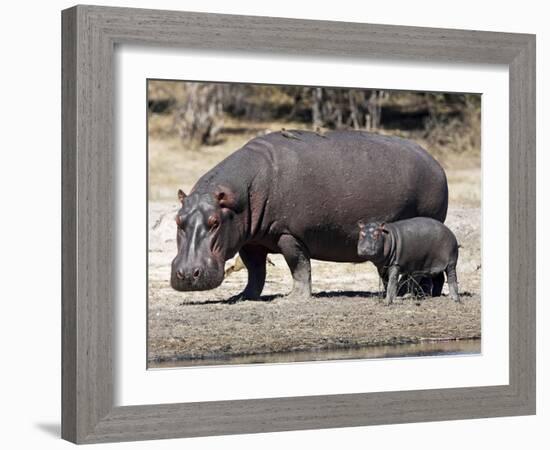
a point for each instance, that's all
(297, 257)
(393, 276)
(438, 281)
(414, 285)
(403, 287)
(426, 285)
(254, 258)
(452, 281)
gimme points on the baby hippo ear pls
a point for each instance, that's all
(361, 225)
(382, 227)
(181, 196)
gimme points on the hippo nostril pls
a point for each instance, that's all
(196, 273)
(179, 275)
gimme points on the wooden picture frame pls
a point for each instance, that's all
(90, 34)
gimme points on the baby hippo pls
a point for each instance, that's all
(417, 247)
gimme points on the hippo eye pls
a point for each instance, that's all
(213, 223)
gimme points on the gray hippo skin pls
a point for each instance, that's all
(418, 246)
(300, 194)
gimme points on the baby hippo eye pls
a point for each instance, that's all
(213, 222)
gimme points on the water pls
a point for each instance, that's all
(427, 348)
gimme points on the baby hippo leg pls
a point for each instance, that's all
(452, 281)
(393, 276)
(383, 274)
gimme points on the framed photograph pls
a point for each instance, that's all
(265, 229)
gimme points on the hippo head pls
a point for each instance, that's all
(371, 240)
(207, 236)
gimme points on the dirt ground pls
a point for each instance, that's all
(346, 310)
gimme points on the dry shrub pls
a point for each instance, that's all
(203, 114)
(458, 132)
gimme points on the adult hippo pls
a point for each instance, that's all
(300, 194)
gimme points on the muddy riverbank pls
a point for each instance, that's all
(422, 349)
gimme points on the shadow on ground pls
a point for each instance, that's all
(318, 295)
(270, 298)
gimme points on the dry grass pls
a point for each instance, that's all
(346, 311)
(329, 321)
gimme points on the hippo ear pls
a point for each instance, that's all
(181, 196)
(227, 198)
(383, 228)
(361, 225)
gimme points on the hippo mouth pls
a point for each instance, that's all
(196, 279)
(367, 252)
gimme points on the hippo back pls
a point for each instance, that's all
(317, 187)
